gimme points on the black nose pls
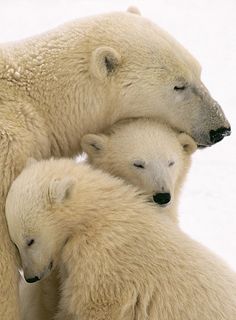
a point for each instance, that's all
(219, 134)
(31, 280)
(162, 198)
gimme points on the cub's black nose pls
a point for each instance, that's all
(162, 198)
(219, 134)
(31, 280)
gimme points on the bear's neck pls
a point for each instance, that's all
(55, 75)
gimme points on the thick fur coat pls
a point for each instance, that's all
(119, 258)
(80, 78)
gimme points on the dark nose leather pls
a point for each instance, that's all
(162, 198)
(31, 280)
(219, 134)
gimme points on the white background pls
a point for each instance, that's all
(208, 29)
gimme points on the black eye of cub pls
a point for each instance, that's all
(139, 165)
(179, 88)
(171, 163)
(30, 242)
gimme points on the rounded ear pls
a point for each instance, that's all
(60, 189)
(29, 162)
(134, 10)
(94, 144)
(188, 144)
(104, 62)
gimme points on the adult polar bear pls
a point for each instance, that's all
(83, 77)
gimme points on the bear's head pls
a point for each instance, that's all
(144, 72)
(145, 153)
(31, 222)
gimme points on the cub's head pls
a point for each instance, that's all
(146, 154)
(30, 211)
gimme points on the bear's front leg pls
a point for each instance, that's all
(9, 276)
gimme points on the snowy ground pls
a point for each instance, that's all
(208, 30)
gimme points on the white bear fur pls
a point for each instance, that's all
(164, 153)
(81, 78)
(124, 143)
(118, 258)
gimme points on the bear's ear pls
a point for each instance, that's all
(134, 10)
(188, 144)
(104, 62)
(94, 144)
(29, 162)
(60, 189)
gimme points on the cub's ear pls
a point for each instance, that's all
(188, 144)
(94, 144)
(60, 189)
(134, 10)
(104, 62)
(29, 162)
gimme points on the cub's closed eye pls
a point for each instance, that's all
(139, 164)
(171, 163)
(179, 88)
(30, 242)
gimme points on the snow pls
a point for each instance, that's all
(208, 30)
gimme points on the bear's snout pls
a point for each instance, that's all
(41, 275)
(162, 198)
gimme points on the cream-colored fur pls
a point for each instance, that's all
(80, 78)
(166, 156)
(163, 154)
(39, 301)
(118, 258)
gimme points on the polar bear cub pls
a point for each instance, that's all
(147, 154)
(118, 258)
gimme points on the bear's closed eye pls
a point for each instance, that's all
(30, 242)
